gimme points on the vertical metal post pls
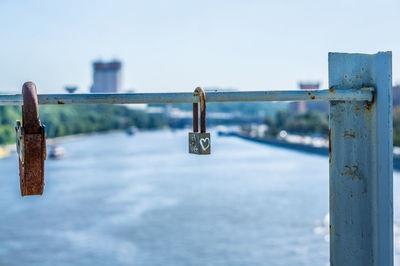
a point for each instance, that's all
(361, 162)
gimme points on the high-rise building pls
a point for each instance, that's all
(106, 77)
(302, 106)
(297, 107)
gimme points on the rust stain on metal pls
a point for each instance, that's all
(32, 166)
(350, 134)
(332, 91)
(312, 97)
(352, 172)
(368, 107)
(32, 170)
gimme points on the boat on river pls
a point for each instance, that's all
(131, 131)
(57, 152)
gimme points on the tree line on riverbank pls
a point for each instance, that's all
(396, 126)
(309, 123)
(306, 123)
(79, 119)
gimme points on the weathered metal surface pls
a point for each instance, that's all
(199, 143)
(31, 144)
(357, 94)
(361, 192)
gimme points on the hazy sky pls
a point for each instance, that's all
(178, 45)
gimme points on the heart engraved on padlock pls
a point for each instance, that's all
(205, 146)
(199, 142)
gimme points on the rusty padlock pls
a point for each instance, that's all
(31, 143)
(199, 143)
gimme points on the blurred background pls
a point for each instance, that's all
(121, 188)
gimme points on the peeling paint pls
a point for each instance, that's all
(350, 134)
(352, 171)
(368, 107)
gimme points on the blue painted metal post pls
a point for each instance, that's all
(361, 162)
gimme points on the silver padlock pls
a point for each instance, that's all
(199, 143)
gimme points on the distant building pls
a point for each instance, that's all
(297, 107)
(302, 106)
(309, 86)
(106, 77)
(396, 95)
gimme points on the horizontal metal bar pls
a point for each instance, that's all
(363, 94)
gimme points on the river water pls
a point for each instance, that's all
(143, 200)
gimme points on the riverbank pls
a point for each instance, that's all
(287, 145)
(4, 152)
(80, 119)
(298, 146)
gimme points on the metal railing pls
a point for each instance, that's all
(362, 94)
(360, 148)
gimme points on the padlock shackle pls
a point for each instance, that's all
(30, 109)
(199, 91)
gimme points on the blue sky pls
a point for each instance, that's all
(178, 45)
